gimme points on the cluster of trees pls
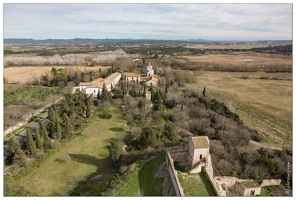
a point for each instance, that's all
(71, 115)
(185, 64)
(171, 118)
(68, 59)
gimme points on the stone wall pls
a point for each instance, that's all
(180, 153)
(270, 182)
(173, 175)
(210, 175)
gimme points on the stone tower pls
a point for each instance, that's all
(149, 70)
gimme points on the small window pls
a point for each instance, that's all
(200, 157)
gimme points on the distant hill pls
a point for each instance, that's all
(88, 41)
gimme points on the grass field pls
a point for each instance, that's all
(142, 182)
(190, 183)
(28, 73)
(71, 170)
(239, 59)
(264, 105)
(14, 97)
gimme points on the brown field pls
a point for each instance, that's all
(238, 59)
(28, 73)
(263, 105)
(231, 46)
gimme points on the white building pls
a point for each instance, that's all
(132, 77)
(149, 71)
(96, 86)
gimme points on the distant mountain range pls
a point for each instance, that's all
(87, 41)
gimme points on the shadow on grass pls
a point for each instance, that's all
(150, 185)
(95, 183)
(116, 129)
(207, 184)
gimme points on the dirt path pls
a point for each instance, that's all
(27, 117)
(259, 145)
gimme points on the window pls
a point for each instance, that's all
(200, 157)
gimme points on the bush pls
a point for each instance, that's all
(105, 115)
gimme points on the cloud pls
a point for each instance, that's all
(155, 21)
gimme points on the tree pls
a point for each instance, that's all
(12, 147)
(144, 92)
(19, 158)
(148, 137)
(67, 127)
(38, 139)
(88, 112)
(30, 144)
(114, 152)
(58, 132)
(44, 135)
(52, 122)
(204, 92)
(170, 132)
(131, 124)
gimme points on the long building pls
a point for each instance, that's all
(96, 86)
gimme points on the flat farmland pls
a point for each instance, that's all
(230, 46)
(28, 73)
(241, 59)
(263, 105)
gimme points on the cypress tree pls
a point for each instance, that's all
(88, 112)
(38, 139)
(52, 122)
(144, 92)
(67, 127)
(58, 133)
(204, 92)
(31, 147)
(44, 135)
(166, 88)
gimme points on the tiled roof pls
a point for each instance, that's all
(100, 81)
(132, 75)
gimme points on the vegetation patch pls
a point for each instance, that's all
(140, 180)
(196, 184)
(70, 170)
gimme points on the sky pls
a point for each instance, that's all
(268, 21)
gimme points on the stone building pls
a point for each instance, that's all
(149, 71)
(198, 150)
(96, 86)
(248, 188)
(132, 77)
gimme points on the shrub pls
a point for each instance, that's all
(105, 115)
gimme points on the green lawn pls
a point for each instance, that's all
(142, 181)
(196, 185)
(71, 170)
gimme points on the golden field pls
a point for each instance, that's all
(263, 105)
(28, 73)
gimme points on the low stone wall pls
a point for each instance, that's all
(209, 173)
(270, 182)
(173, 175)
